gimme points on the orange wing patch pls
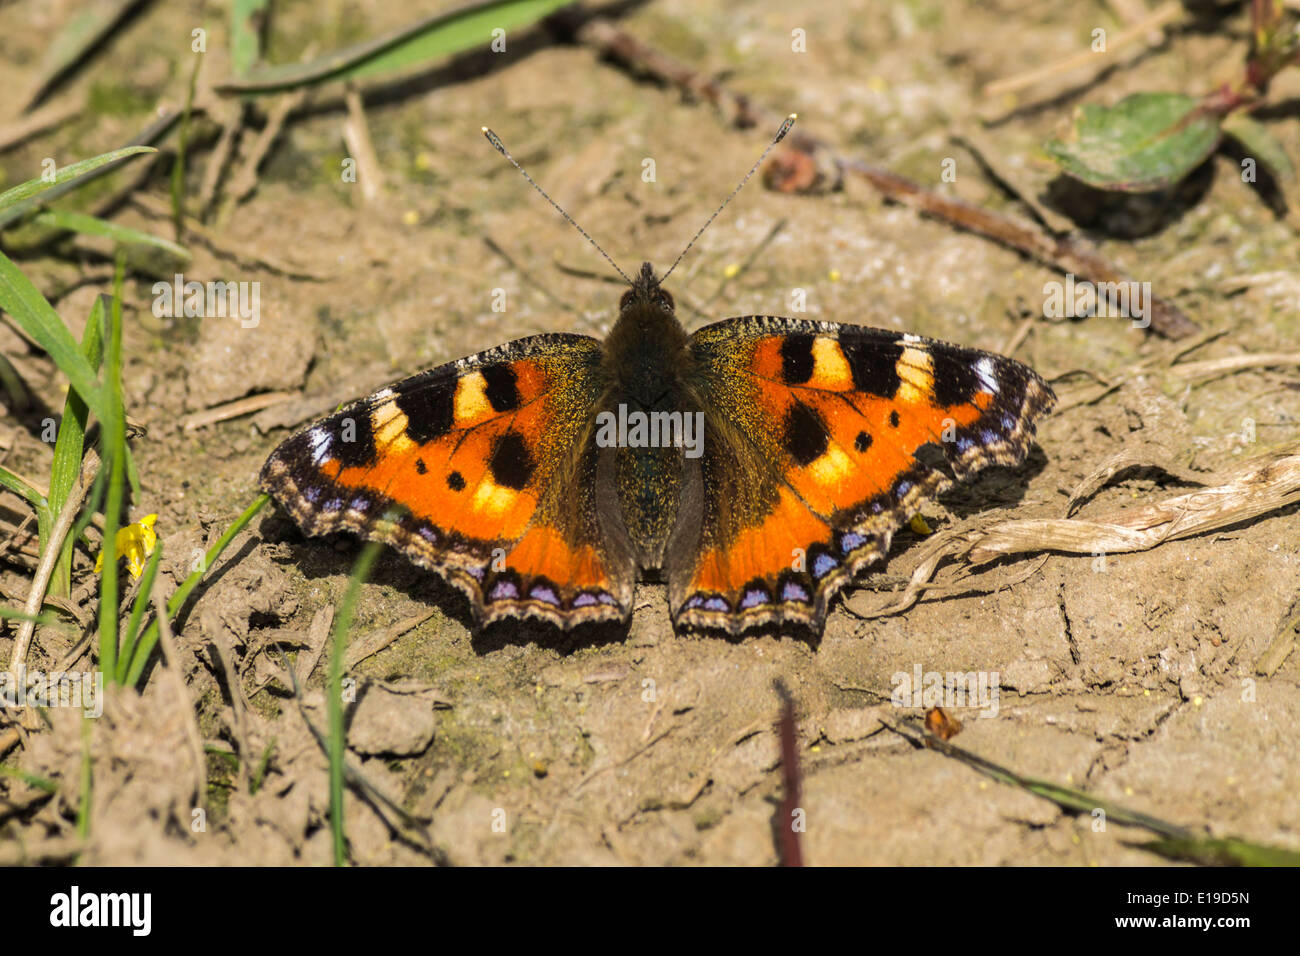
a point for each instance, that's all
(839, 415)
(463, 468)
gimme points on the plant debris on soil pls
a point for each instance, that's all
(1130, 593)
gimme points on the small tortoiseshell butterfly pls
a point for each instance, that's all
(529, 475)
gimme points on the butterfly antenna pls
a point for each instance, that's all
(780, 135)
(501, 148)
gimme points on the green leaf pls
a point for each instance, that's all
(1259, 144)
(1144, 142)
(1230, 852)
(421, 42)
(245, 34)
(35, 316)
(11, 482)
(177, 600)
(113, 441)
(94, 226)
(17, 202)
(69, 446)
(126, 658)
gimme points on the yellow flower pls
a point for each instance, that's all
(135, 542)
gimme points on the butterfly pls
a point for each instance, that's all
(756, 465)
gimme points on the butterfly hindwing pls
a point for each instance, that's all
(478, 469)
(815, 454)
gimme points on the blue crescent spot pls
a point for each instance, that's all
(334, 504)
(877, 507)
(716, 603)
(428, 534)
(311, 494)
(823, 564)
(754, 597)
(989, 437)
(851, 541)
(584, 600)
(1008, 423)
(964, 445)
(502, 590)
(794, 591)
(476, 573)
(606, 598)
(546, 594)
(360, 504)
(902, 488)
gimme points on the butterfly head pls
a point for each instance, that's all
(647, 291)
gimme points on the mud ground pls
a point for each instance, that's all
(1132, 677)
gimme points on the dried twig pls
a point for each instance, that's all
(1254, 489)
(1161, 17)
(1066, 253)
(356, 136)
(377, 642)
(41, 580)
(244, 180)
(241, 406)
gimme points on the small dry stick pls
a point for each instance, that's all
(241, 406)
(356, 136)
(1065, 253)
(41, 580)
(244, 180)
(1160, 17)
(1280, 648)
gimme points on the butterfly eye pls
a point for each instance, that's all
(666, 300)
(623, 302)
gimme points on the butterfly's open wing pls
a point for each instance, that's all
(481, 470)
(813, 457)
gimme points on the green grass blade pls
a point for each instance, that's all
(36, 317)
(13, 614)
(150, 639)
(17, 202)
(245, 34)
(19, 398)
(126, 657)
(69, 447)
(182, 145)
(1229, 852)
(31, 779)
(44, 515)
(1175, 842)
(334, 694)
(424, 41)
(11, 482)
(90, 25)
(94, 226)
(113, 432)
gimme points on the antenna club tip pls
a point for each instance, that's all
(792, 117)
(484, 130)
